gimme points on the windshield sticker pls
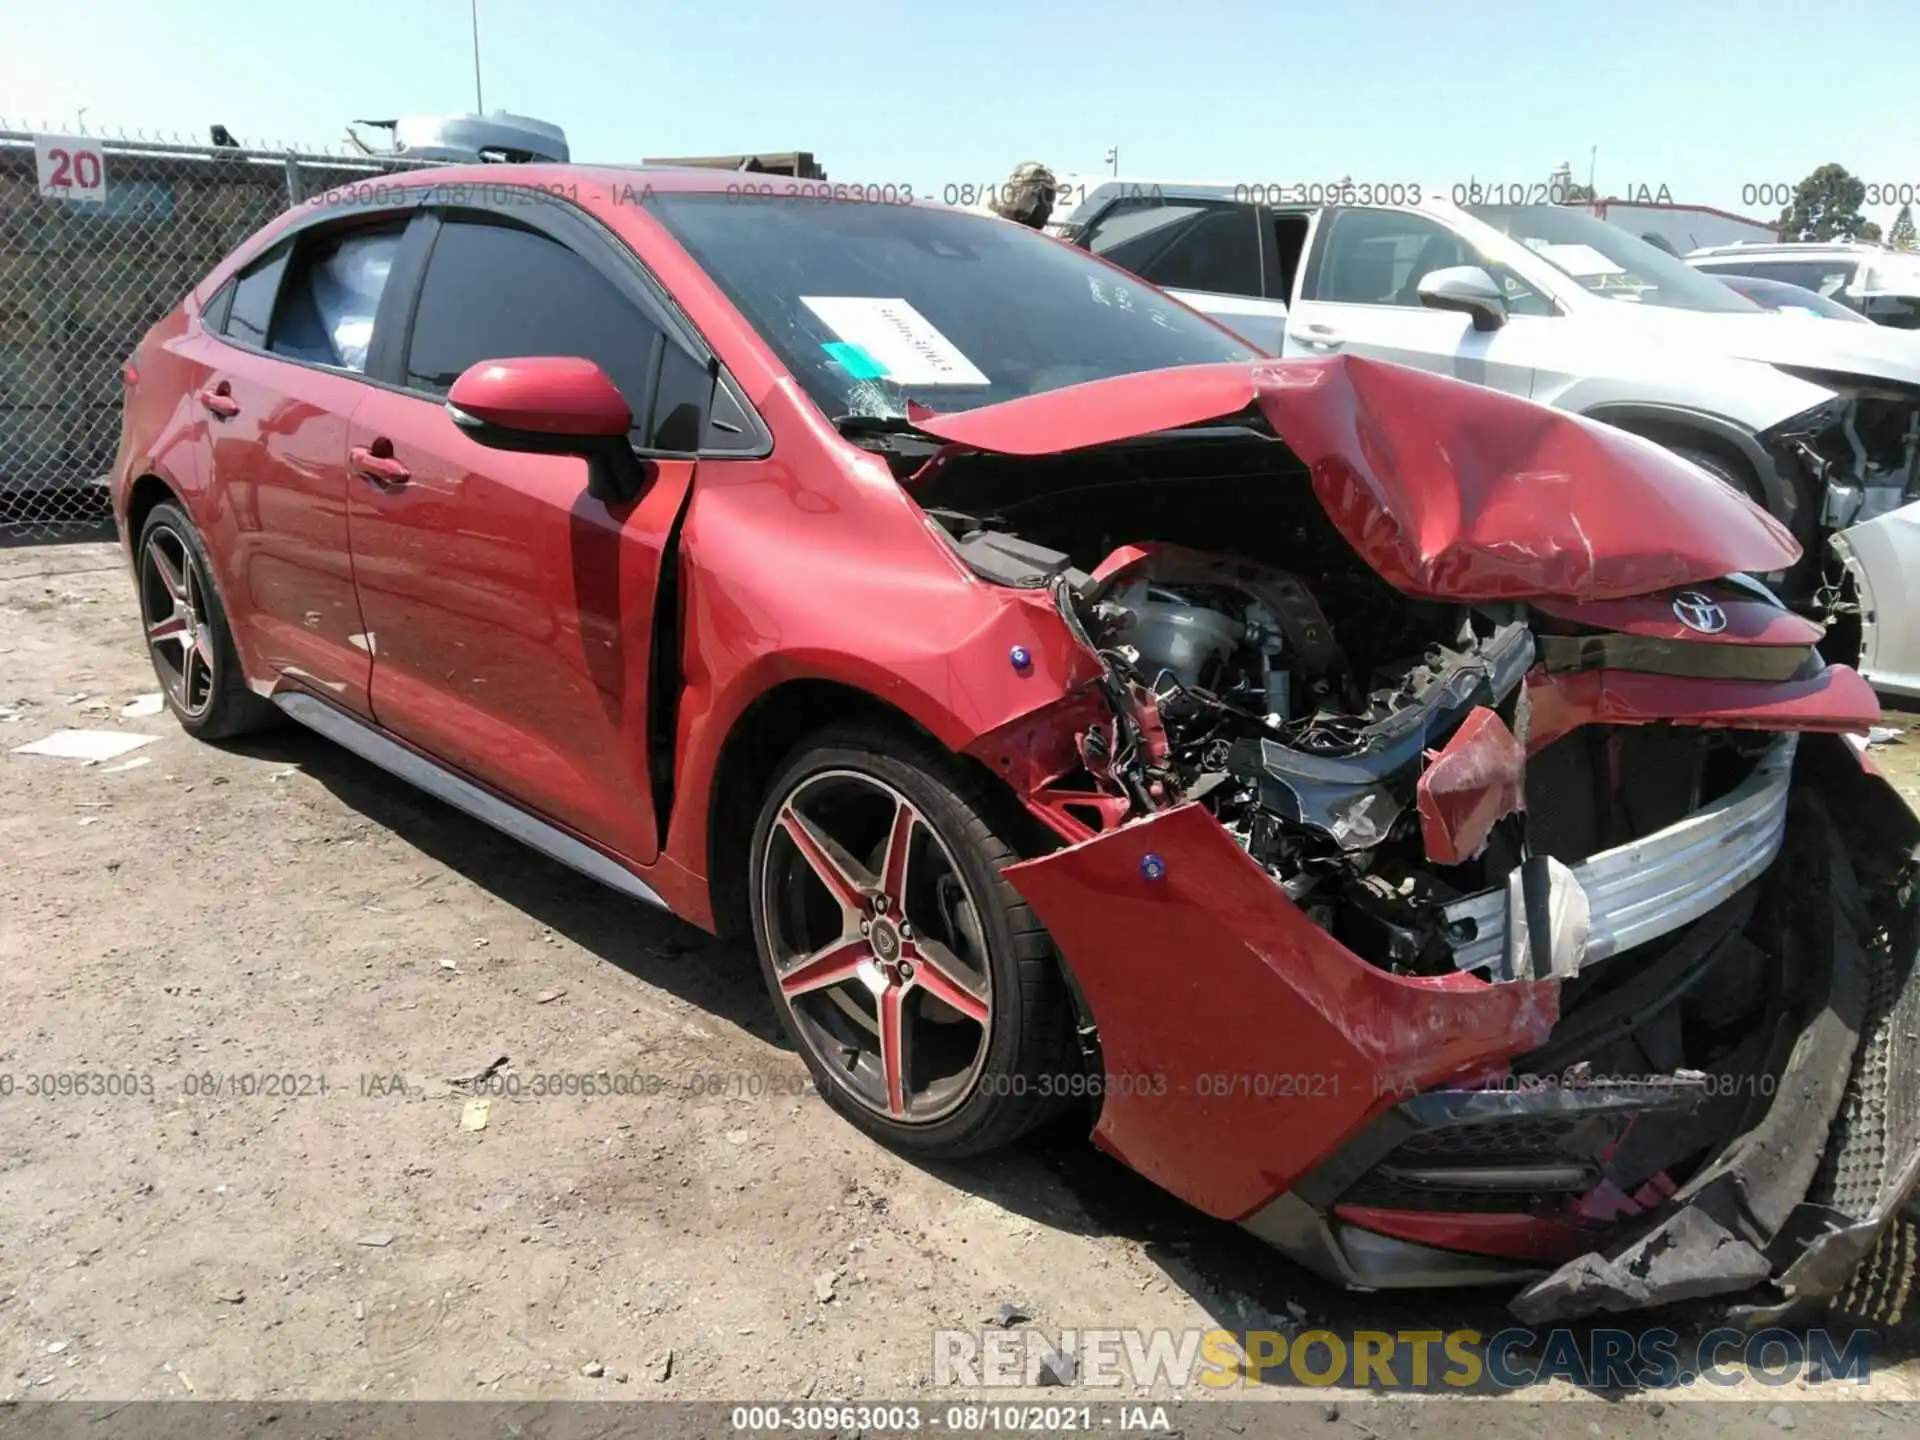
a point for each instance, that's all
(1577, 260)
(892, 334)
(854, 360)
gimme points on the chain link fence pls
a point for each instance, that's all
(82, 280)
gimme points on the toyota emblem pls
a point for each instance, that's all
(1699, 612)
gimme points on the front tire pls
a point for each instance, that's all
(188, 639)
(915, 983)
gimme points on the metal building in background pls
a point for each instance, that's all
(87, 266)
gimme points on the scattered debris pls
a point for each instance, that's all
(663, 1366)
(378, 1239)
(1330, 1412)
(54, 1347)
(88, 745)
(593, 1369)
(823, 1287)
(1007, 1316)
(230, 1297)
(547, 997)
(486, 1072)
(474, 1114)
(1057, 1369)
(446, 964)
(1657, 1408)
(620, 1377)
(1781, 1417)
(1883, 734)
(142, 706)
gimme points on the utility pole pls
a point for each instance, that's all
(1113, 158)
(479, 106)
(1593, 158)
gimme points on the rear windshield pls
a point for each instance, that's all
(870, 304)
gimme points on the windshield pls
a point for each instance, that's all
(869, 304)
(1606, 260)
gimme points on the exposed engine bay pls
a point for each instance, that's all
(1302, 705)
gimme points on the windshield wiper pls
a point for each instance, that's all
(889, 434)
(852, 425)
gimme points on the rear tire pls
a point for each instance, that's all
(188, 639)
(863, 934)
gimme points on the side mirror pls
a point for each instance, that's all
(552, 405)
(1467, 288)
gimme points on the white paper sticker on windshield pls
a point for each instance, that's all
(898, 337)
(1576, 260)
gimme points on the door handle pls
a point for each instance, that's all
(219, 401)
(1319, 337)
(382, 469)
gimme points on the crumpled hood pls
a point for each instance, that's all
(1448, 490)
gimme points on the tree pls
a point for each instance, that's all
(1903, 235)
(1826, 206)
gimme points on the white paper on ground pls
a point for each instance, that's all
(143, 705)
(86, 744)
(899, 337)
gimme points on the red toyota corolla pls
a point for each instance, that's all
(1386, 806)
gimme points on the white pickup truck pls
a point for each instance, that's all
(1818, 422)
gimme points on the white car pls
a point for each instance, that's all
(1871, 280)
(1819, 423)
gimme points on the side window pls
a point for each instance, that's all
(331, 293)
(494, 290)
(252, 309)
(1379, 257)
(213, 314)
(1183, 244)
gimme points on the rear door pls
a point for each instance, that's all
(1358, 293)
(511, 613)
(1207, 252)
(287, 374)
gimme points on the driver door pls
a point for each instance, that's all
(1358, 294)
(509, 612)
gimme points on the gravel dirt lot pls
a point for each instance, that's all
(210, 917)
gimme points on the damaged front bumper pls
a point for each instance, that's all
(1651, 887)
(1380, 1128)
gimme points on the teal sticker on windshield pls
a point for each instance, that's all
(855, 360)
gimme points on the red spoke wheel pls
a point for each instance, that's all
(917, 985)
(186, 629)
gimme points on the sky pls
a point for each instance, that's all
(1710, 101)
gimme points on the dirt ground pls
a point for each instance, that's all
(212, 916)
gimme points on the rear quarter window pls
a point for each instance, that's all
(251, 313)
